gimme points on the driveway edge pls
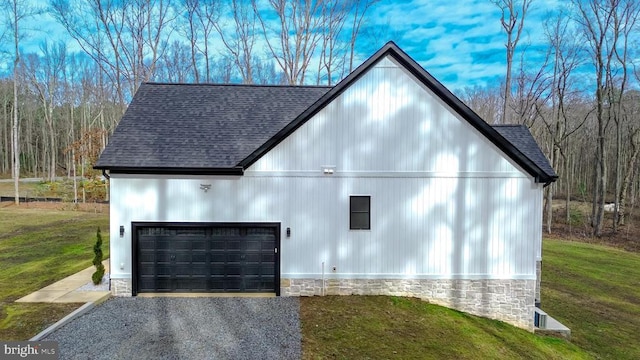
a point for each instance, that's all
(76, 313)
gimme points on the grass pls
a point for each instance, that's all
(381, 327)
(37, 248)
(595, 291)
(26, 188)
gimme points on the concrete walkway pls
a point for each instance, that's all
(71, 289)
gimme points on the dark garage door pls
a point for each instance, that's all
(206, 258)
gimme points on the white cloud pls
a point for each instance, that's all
(460, 42)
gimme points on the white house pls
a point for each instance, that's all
(383, 184)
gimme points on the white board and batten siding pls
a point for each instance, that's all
(445, 202)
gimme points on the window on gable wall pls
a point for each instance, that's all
(360, 213)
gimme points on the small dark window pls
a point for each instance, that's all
(360, 213)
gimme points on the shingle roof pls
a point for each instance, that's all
(522, 139)
(222, 129)
(189, 126)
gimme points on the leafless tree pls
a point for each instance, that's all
(46, 76)
(298, 29)
(126, 38)
(597, 19)
(565, 58)
(332, 49)
(175, 64)
(359, 10)
(16, 11)
(485, 101)
(200, 16)
(624, 24)
(512, 20)
(239, 36)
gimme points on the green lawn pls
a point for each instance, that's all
(381, 327)
(595, 291)
(25, 188)
(37, 248)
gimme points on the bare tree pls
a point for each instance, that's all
(46, 76)
(239, 37)
(564, 53)
(298, 29)
(15, 17)
(192, 33)
(126, 38)
(207, 14)
(175, 64)
(624, 24)
(265, 72)
(596, 19)
(485, 101)
(16, 11)
(512, 20)
(334, 16)
(358, 11)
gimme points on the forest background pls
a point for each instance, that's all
(567, 70)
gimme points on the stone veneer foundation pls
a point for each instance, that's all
(511, 301)
(121, 287)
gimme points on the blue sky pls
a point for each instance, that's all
(460, 42)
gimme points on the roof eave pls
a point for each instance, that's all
(237, 171)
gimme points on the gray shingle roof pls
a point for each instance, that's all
(200, 126)
(222, 129)
(522, 139)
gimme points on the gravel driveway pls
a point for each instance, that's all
(184, 328)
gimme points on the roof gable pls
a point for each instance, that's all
(218, 129)
(540, 169)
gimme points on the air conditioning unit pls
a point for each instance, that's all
(540, 319)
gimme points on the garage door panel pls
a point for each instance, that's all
(199, 270)
(146, 256)
(218, 257)
(233, 284)
(207, 258)
(162, 243)
(253, 258)
(199, 244)
(233, 269)
(181, 256)
(198, 257)
(234, 244)
(270, 258)
(163, 256)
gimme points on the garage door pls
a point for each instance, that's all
(239, 258)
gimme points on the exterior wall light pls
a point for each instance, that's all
(328, 169)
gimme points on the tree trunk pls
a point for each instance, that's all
(635, 149)
(15, 153)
